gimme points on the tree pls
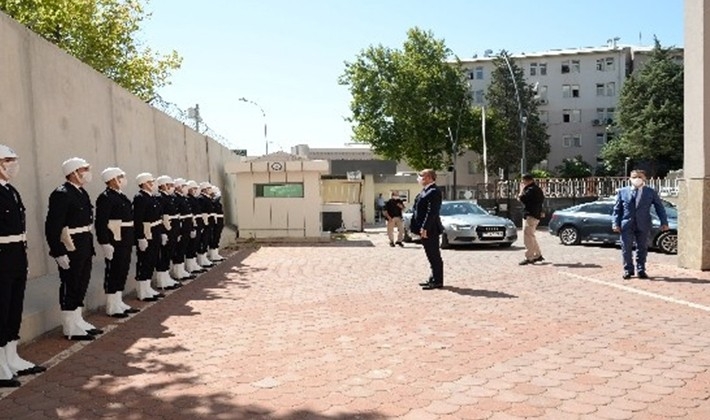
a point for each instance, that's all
(100, 33)
(574, 167)
(410, 104)
(505, 150)
(650, 115)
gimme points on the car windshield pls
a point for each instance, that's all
(454, 209)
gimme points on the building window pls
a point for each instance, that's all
(571, 115)
(471, 167)
(600, 114)
(609, 64)
(611, 89)
(566, 91)
(610, 115)
(609, 136)
(470, 75)
(479, 73)
(576, 115)
(478, 96)
(533, 69)
(279, 190)
(566, 115)
(544, 116)
(575, 91)
(600, 64)
(575, 68)
(600, 89)
(565, 67)
(577, 140)
(543, 69)
(600, 139)
(566, 140)
(542, 92)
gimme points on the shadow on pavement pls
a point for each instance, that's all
(479, 293)
(680, 280)
(575, 265)
(125, 373)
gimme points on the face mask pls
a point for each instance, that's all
(122, 182)
(85, 177)
(637, 182)
(10, 169)
(420, 180)
(170, 190)
(195, 192)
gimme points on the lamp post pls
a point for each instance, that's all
(263, 114)
(522, 118)
(626, 166)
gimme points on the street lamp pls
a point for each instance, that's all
(522, 118)
(626, 166)
(263, 114)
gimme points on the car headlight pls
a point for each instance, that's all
(510, 225)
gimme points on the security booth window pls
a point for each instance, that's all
(280, 190)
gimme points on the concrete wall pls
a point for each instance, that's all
(53, 107)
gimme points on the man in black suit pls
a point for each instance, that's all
(427, 223)
(67, 229)
(13, 273)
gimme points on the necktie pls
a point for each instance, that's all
(633, 197)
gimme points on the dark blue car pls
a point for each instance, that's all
(591, 222)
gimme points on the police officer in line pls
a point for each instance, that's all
(169, 237)
(148, 228)
(205, 238)
(183, 235)
(218, 218)
(68, 233)
(13, 273)
(191, 264)
(114, 232)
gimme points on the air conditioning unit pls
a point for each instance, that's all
(596, 122)
(543, 101)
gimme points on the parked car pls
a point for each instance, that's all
(466, 223)
(592, 222)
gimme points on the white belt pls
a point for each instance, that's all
(154, 224)
(172, 216)
(121, 223)
(72, 231)
(185, 216)
(219, 216)
(11, 239)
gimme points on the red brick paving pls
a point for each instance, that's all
(343, 331)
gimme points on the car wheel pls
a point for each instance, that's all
(668, 242)
(445, 241)
(569, 235)
(506, 245)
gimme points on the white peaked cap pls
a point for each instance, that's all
(164, 179)
(111, 173)
(179, 182)
(71, 165)
(192, 184)
(205, 185)
(144, 177)
(6, 152)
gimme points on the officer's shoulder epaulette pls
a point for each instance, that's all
(62, 188)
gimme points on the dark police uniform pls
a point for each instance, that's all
(208, 222)
(148, 225)
(171, 225)
(68, 232)
(218, 211)
(184, 209)
(198, 226)
(114, 226)
(13, 263)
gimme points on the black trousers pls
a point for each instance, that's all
(216, 235)
(193, 244)
(180, 248)
(117, 269)
(75, 280)
(165, 253)
(433, 254)
(13, 279)
(205, 239)
(147, 260)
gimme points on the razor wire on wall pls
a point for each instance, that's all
(190, 118)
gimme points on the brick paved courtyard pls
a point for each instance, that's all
(343, 331)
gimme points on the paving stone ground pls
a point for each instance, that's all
(342, 331)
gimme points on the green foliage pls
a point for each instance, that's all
(100, 33)
(650, 114)
(504, 145)
(540, 173)
(410, 104)
(574, 167)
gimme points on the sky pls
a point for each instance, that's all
(286, 55)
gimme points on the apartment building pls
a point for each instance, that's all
(578, 90)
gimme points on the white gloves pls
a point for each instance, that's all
(163, 238)
(193, 234)
(63, 262)
(108, 251)
(143, 244)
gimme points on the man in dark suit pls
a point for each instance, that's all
(13, 273)
(427, 223)
(67, 229)
(632, 218)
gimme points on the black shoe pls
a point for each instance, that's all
(9, 383)
(32, 371)
(424, 283)
(432, 286)
(400, 244)
(626, 275)
(539, 259)
(86, 337)
(149, 299)
(159, 296)
(119, 315)
(642, 275)
(526, 262)
(392, 244)
(94, 331)
(172, 287)
(131, 311)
